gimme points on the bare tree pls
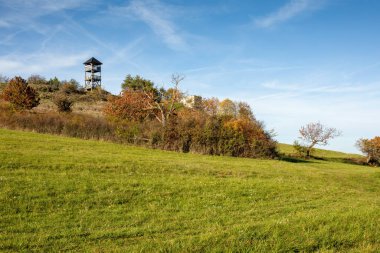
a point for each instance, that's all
(316, 134)
(163, 102)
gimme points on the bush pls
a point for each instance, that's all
(370, 147)
(63, 102)
(131, 105)
(73, 125)
(20, 94)
(301, 150)
(69, 88)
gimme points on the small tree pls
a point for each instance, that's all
(54, 83)
(210, 106)
(245, 111)
(316, 134)
(36, 79)
(131, 105)
(137, 83)
(228, 108)
(370, 147)
(63, 102)
(20, 94)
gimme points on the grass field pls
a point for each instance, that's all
(65, 194)
(321, 153)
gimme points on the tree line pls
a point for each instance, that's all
(162, 118)
(166, 118)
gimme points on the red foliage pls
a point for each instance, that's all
(131, 105)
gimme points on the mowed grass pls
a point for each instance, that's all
(65, 194)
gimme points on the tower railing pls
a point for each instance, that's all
(89, 68)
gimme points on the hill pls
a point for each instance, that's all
(66, 194)
(288, 149)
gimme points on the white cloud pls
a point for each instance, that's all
(38, 63)
(298, 89)
(157, 16)
(286, 12)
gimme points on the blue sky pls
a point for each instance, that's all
(294, 61)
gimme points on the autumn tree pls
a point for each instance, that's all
(140, 98)
(20, 94)
(210, 106)
(370, 147)
(132, 105)
(244, 111)
(228, 108)
(315, 134)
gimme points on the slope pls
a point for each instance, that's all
(65, 194)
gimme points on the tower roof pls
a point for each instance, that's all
(92, 60)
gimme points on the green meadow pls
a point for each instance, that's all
(66, 194)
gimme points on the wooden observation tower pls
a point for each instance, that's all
(92, 73)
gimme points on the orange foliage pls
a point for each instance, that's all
(250, 129)
(370, 147)
(20, 94)
(131, 105)
(210, 106)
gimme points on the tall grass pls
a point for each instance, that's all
(68, 124)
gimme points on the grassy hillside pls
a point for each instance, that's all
(322, 153)
(60, 193)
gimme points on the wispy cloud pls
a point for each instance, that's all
(4, 23)
(316, 89)
(158, 17)
(16, 64)
(21, 12)
(287, 12)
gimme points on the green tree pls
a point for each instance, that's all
(137, 83)
(54, 83)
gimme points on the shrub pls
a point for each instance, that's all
(131, 105)
(94, 95)
(301, 150)
(63, 102)
(73, 125)
(69, 88)
(54, 84)
(20, 94)
(370, 147)
(36, 79)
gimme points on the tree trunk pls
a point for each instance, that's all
(308, 152)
